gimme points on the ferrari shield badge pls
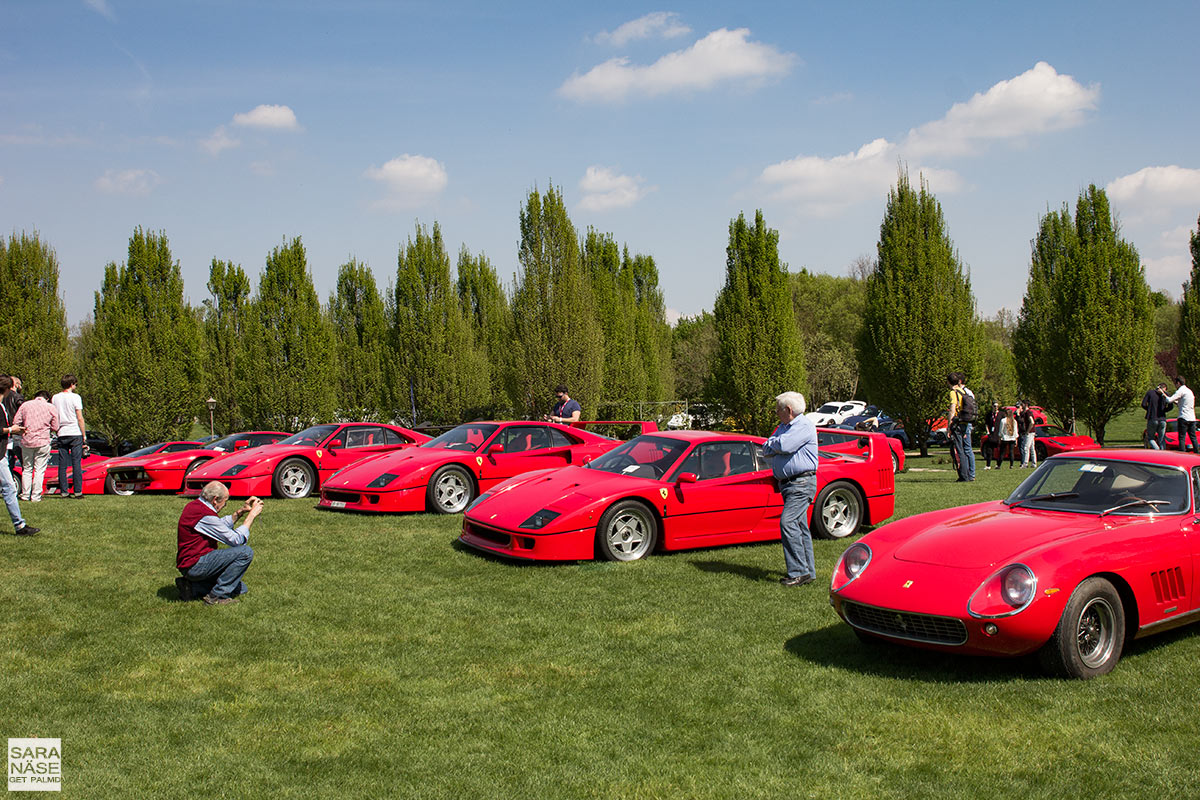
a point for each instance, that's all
(479, 461)
(663, 492)
(318, 454)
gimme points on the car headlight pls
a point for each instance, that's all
(1006, 592)
(540, 519)
(383, 480)
(234, 470)
(854, 560)
(479, 500)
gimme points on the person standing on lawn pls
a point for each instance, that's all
(37, 418)
(1186, 426)
(213, 572)
(72, 434)
(1155, 403)
(792, 449)
(1025, 423)
(8, 487)
(964, 410)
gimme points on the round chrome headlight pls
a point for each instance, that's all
(855, 560)
(1018, 586)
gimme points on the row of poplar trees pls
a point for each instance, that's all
(439, 345)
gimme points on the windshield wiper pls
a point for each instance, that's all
(1036, 497)
(1137, 501)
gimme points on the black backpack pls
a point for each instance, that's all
(968, 410)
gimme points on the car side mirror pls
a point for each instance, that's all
(336, 443)
(587, 460)
(496, 448)
(241, 444)
(687, 477)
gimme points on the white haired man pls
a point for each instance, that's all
(792, 449)
(207, 570)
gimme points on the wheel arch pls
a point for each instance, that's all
(866, 498)
(1128, 600)
(302, 457)
(655, 514)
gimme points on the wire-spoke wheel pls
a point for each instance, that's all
(295, 478)
(1090, 634)
(838, 511)
(626, 532)
(450, 491)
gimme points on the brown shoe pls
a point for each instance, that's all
(210, 600)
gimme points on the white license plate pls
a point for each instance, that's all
(337, 504)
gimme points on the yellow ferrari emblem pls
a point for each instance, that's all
(479, 461)
(907, 584)
(663, 492)
(318, 454)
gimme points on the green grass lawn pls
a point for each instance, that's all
(375, 658)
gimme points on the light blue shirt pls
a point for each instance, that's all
(221, 529)
(792, 448)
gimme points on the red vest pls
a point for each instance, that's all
(193, 545)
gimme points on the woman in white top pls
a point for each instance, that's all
(1008, 437)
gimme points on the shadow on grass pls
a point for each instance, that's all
(837, 646)
(747, 572)
(496, 558)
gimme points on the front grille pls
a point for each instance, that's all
(487, 534)
(904, 625)
(341, 497)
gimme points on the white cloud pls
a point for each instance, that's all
(410, 181)
(664, 24)
(720, 57)
(603, 189)
(266, 116)
(1157, 186)
(1036, 101)
(135, 182)
(219, 140)
(100, 7)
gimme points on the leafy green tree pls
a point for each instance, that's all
(33, 327)
(999, 379)
(652, 331)
(1084, 340)
(829, 311)
(758, 346)
(693, 350)
(1189, 316)
(919, 317)
(1166, 331)
(485, 306)
(141, 378)
(361, 334)
(556, 335)
(291, 377)
(225, 339)
(623, 373)
(439, 373)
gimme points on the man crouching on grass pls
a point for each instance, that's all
(208, 571)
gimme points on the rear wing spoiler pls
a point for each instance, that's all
(639, 426)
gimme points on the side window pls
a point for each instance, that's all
(559, 439)
(391, 437)
(518, 439)
(721, 460)
(364, 436)
(1196, 487)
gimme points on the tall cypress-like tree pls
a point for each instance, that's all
(758, 346)
(33, 327)
(1189, 317)
(485, 307)
(439, 373)
(1085, 337)
(226, 343)
(141, 378)
(652, 331)
(919, 318)
(360, 328)
(557, 337)
(623, 378)
(291, 373)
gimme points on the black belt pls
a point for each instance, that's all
(797, 475)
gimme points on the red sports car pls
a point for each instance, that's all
(298, 465)
(96, 479)
(1093, 549)
(674, 490)
(1050, 440)
(50, 480)
(167, 471)
(444, 475)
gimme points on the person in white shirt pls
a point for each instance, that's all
(1186, 400)
(72, 433)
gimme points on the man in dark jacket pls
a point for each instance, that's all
(1156, 405)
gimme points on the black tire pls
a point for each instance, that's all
(838, 511)
(195, 465)
(450, 490)
(1090, 634)
(1040, 449)
(110, 487)
(895, 460)
(627, 531)
(294, 478)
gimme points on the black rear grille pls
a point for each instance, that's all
(904, 625)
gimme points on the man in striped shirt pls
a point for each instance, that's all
(38, 418)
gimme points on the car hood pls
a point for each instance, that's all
(982, 536)
(249, 457)
(566, 490)
(410, 461)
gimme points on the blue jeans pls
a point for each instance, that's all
(220, 571)
(8, 488)
(793, 526)
(1156, 434)
(1187, 428)
(70, 451)
(960, 440)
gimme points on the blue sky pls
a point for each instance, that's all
(232, 125)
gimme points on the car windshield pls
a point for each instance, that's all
(643, 457)
(828, 408)
(145, 451)
(468, 437)
(1049, 430)
(310, 436)
(226, 444)
(1103, 486)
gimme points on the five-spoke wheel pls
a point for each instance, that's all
(450, 490)
(627, 531)
(294, 478)
(838, 511)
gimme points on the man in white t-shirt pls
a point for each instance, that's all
(71, 435)
(1187, 414)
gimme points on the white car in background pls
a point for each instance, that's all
(836, 413)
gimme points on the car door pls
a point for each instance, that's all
(726, 502)
(351, 443)
(524, 448)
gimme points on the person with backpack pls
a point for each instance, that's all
(964, 411)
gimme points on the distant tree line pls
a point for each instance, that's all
(447, 341)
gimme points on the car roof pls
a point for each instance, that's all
(702, 436)
(1169, 458)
